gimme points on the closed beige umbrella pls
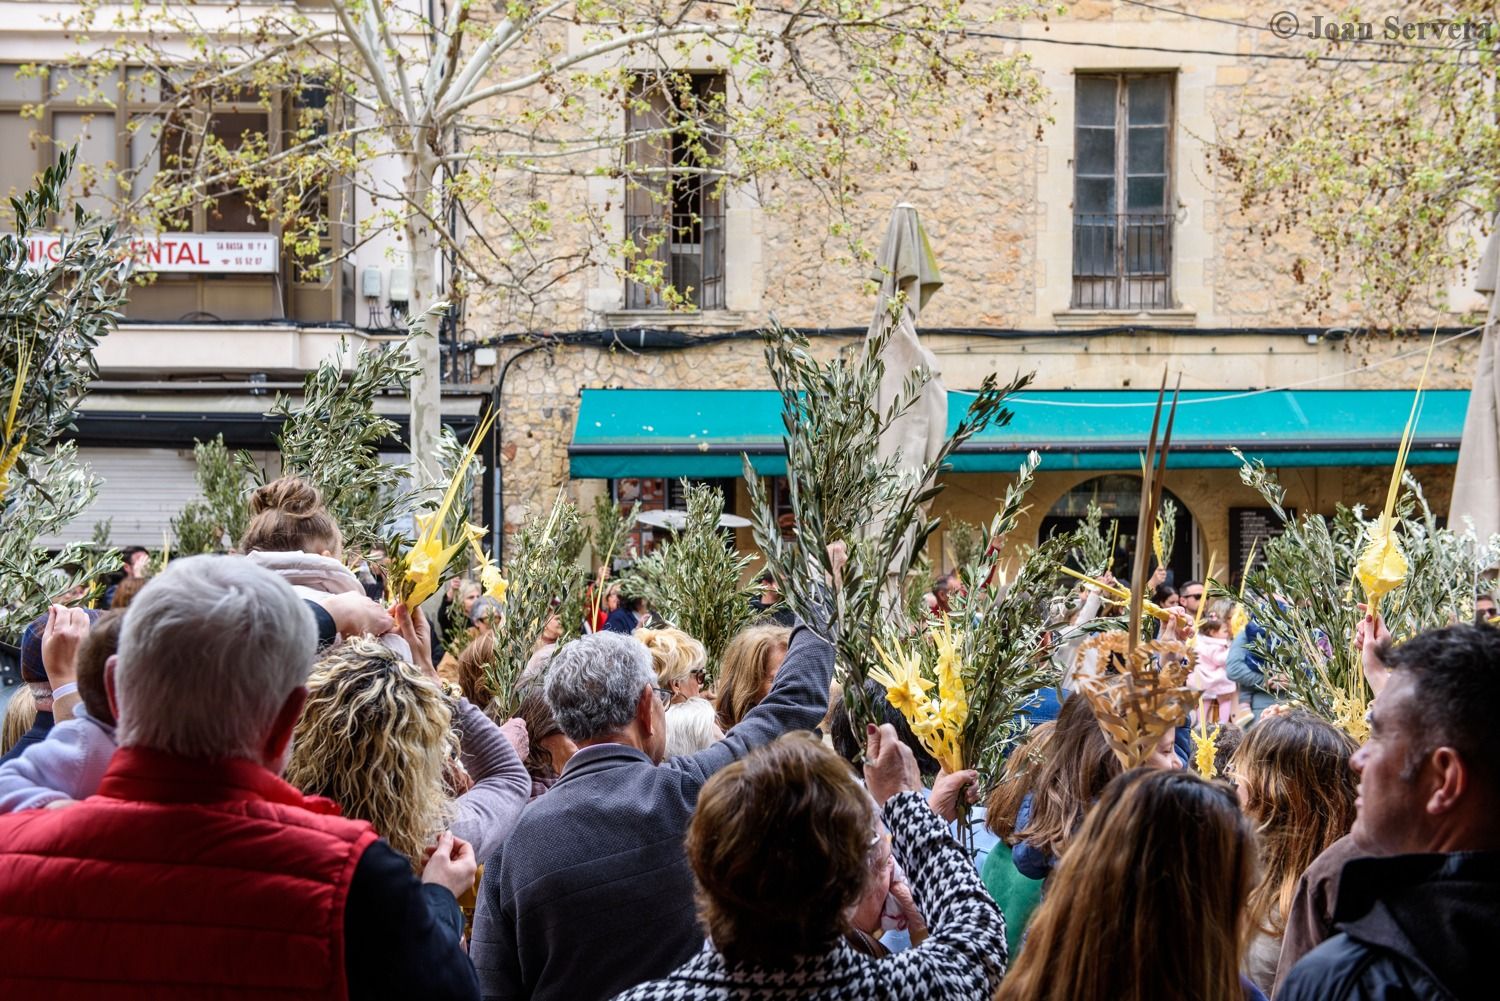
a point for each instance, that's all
(905, 264)
(1476, 481)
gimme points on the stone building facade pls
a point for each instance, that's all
(232, 321)
(1011, 200)
(1001, 204)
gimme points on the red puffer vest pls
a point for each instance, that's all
(180, 879)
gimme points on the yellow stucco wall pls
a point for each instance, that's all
(1207, 493)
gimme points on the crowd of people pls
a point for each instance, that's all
(248, 778)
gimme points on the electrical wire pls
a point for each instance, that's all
(604, 339)
(974, 32)
(620, 338)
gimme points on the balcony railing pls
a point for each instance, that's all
(691, 252)
(1122, 261)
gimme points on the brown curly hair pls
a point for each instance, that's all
(780, 844)
(287, 515)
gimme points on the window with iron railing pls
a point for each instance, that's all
(674, 212)
(1122, 221)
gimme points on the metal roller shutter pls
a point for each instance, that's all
(141, 490)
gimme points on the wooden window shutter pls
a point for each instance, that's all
(647, 203)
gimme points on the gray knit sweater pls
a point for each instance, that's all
(485, 814)
(591, 893)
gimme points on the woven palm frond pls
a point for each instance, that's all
(1138, 693)
(964, 683)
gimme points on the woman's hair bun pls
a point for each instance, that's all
(290, 494)
(288, 515)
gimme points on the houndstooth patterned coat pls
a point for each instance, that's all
(963, 958)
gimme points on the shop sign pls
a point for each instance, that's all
(174, 253)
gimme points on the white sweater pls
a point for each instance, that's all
(69, 764)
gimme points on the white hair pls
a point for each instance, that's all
(593, 684)
(691, 727)
(208, 655)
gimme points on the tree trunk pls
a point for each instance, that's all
(426, 385)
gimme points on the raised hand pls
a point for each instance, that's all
(356, 615)
(414, 629)
(64, 634)
(451, 864)
(947, 790)
(1371, 638)
(890, 767)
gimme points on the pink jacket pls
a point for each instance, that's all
(1208, 674)
(312, 575)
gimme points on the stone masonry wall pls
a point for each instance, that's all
(996, 200)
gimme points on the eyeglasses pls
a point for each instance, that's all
(665, 694)
(700, 676)
(1192, 597)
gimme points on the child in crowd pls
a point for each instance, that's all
(70, 763)
(1218, 694)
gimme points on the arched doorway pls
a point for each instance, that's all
(1119, 497)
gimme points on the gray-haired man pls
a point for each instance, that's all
(195, 871)
(591, 893)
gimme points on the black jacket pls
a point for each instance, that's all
(621, 620)
(1410, 927)
(402, 938)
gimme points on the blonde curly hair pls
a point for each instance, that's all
(376, 738)
(674, 654)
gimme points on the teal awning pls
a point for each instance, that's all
(702, 432)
